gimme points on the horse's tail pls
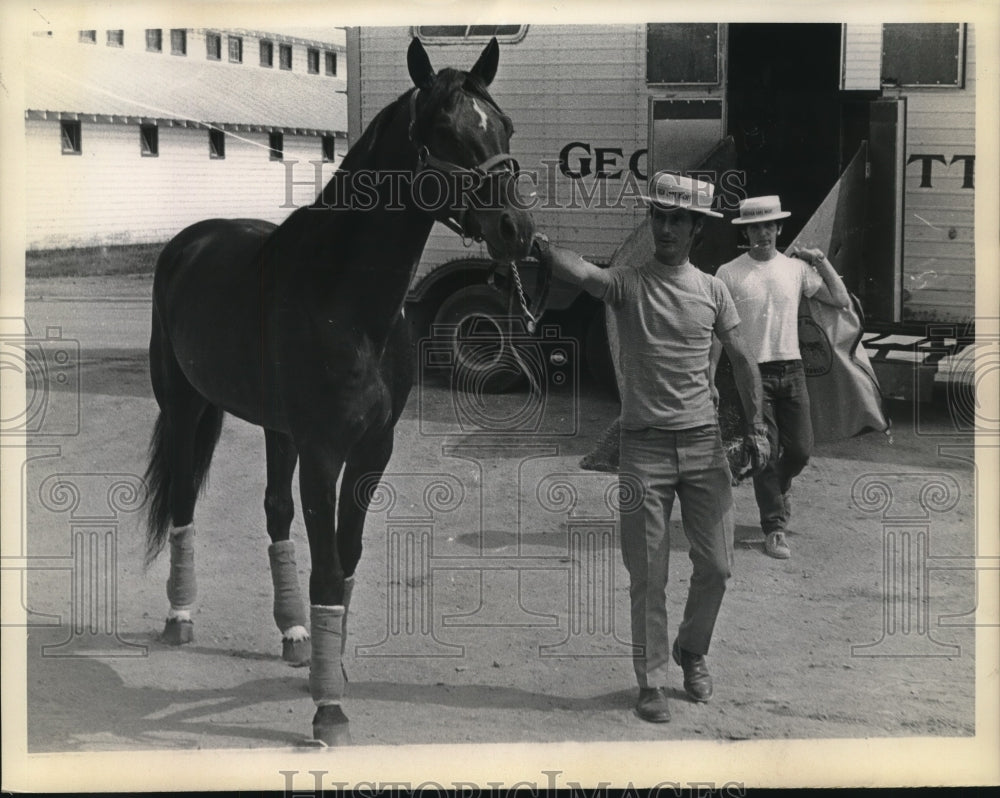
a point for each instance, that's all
(158, 474)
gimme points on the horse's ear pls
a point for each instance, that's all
(421, 71)
(486, 67)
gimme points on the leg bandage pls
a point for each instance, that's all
(182, 589)
(289, 610)
(348, 590)
(326, 678)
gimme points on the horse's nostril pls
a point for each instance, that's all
(508, 229)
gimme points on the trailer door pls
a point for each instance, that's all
(882, 286)
(684, 78)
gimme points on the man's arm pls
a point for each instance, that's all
(568, 265)
(832, 292)
(714, 355)
(747, 377)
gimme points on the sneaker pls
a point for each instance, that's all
(775, 545)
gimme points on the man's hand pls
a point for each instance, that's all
(814, 257)
(832, 292)
(541, 249)
(753, 455)
(758, 446)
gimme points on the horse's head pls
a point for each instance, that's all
(462, 139)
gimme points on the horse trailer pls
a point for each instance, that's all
(770, 108)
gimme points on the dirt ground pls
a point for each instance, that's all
(491, 601)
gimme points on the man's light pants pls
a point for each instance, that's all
(690, 464)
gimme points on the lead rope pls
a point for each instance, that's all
(531, 323)
(532, 320)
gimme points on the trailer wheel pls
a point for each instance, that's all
(472, 328)
(598, 353)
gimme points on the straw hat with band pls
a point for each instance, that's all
(761, 209)
(672, 192)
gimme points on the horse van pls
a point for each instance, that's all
(762, 108)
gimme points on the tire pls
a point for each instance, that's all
(472, 326)
(600, 366)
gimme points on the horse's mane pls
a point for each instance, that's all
(360, 156)
(364, 154)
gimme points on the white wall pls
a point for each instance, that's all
(110, 194)
(135, 40)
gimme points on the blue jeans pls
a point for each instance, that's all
(691, 465)
(789, 430)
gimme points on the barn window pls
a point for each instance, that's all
(149, 141)
(71, 140)
(682, 53)
(276, 141)
(923, 54)
(456, 34)
(331, 63)
(178, 41)
(329, 144)
(312, 59)
(235, 50)
(213, 46)
(285, 56)
(266, 53)
(154, 40)
(88, 36)
(216, 143)
(116, 38)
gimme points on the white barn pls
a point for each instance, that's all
(133, 134)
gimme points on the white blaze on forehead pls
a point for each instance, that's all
(483, 119)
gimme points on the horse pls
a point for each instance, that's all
(299, 329)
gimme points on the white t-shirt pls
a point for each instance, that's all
(767, 296)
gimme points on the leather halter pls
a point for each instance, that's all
(456, 222)
(427, 160)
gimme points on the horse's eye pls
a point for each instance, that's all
(445, 131)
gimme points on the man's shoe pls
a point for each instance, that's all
(697, 680)
(775, 545)
(652, 705)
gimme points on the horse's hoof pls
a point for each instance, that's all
(330, 726)
(296, 653)
(177, 632)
